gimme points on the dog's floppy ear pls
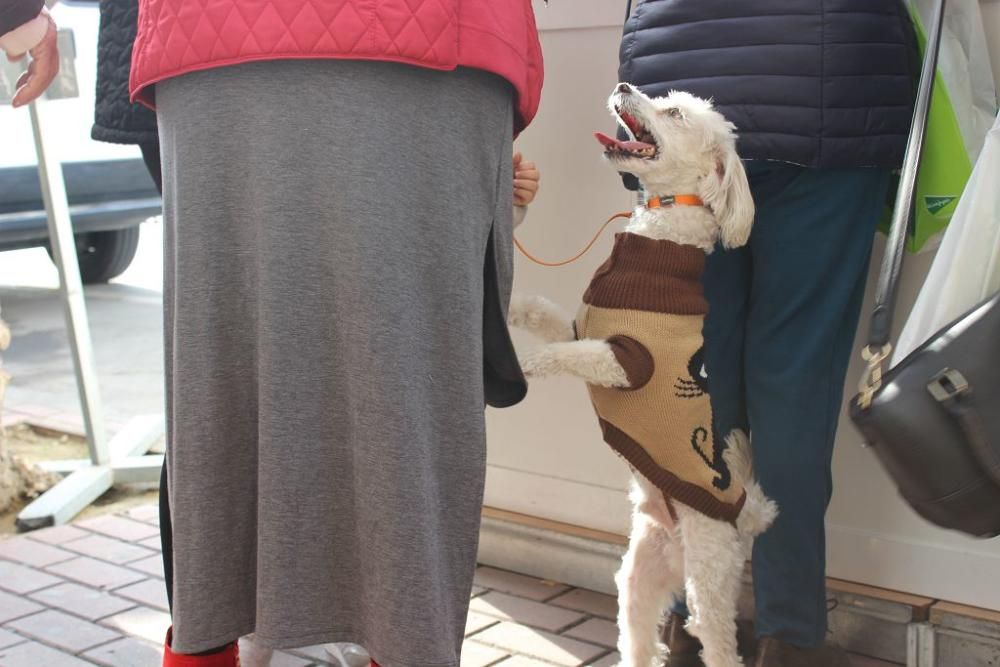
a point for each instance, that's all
(726, 191)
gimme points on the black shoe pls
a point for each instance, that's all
(685, 650)
(774, 653)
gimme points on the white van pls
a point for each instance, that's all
(110, 192)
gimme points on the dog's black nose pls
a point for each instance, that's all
(624, 88)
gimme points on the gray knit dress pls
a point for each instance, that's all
(336, 232)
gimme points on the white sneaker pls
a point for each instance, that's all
(253, 654)
(349, 655)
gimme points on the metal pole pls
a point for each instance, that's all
(885, 293)
(71, 290)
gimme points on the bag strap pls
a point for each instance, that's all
(879, 346)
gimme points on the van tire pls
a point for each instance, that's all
(105, 255)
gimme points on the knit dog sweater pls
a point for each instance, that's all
(647, 301)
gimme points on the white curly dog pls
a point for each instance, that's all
(679, 144)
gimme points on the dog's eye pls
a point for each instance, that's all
(674, 112)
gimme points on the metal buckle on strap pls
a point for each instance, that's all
(948, 385)
(871, 381)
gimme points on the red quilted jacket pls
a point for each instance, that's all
(180, 36)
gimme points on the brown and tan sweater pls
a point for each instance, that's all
(647, 301)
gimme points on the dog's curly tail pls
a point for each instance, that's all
(759, 512)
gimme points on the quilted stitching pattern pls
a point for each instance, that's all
(115, 119)
(178, 36)
(423, 30)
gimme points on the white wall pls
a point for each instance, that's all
(546, 457)
(991, 20)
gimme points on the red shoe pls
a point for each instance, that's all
(227, 657)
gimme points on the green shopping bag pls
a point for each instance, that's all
(961, 113)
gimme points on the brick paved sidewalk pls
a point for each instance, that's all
(92, 593)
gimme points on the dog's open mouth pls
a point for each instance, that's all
(643, 144)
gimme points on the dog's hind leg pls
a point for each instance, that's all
(646, 585)
(713, 565)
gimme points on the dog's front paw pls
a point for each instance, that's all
(528, 312)
(538, 364)
(541, 317)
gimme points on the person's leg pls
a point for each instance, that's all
(166, 537)
(727, 289)
(151, 156)
(811, 246)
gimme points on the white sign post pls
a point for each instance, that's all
(124, 459)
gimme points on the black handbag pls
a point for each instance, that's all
(933, 420)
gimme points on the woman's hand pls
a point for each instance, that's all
(43, 68)
(527, 179)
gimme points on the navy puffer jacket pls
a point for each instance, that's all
(116, 119)
(818, 83)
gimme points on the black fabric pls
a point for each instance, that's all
(151, 156)
(504, 382)
(166, 537)
(15, 13)
(818, 83)
(116, 120)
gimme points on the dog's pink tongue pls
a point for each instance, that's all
(611, 142)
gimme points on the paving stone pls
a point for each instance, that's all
(12, 606)
(153, 543)
(477, 622)
(590, 602)
(146, 513)
(477, 591)
(83, 601)
(21, 579)
(33, 654)
(150, 592)
(539, 644)
(62, 630)
(477, 655)
(525, 612)
(62, 423)
(610, 660)
(152, 565)
(865, 661)
(96, 573)
(31, 410)
(108, 549)
(30, 552)
(597, 631)
(58, 534)
(142, 622)
(523, 661)
(518, 584)
(119, 527)
(10, 418)
(126, 652)
(8, 638)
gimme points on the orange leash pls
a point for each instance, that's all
(655, 202)
(580, 254)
